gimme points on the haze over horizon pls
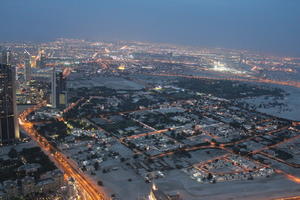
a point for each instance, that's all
(266, 26)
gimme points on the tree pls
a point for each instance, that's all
(209, 176)
(12, 153)
(135, 156)
(100, 183)
(173, 134)
(96, 166)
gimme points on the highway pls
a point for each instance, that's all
(91, 189)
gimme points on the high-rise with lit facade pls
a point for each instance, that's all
(41, 62)
(9, 128)
(6, 57)
(58, 90)
(27, 65)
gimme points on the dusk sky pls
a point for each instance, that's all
(266, 26)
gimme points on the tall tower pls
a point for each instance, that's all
(27, 71)
(53, 88)
(61, 90)
(42, 59)
(58, 90)
(6, 57)
(9, 128)
(27, 66)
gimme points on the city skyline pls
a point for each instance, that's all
(150, 100)
(268, 26)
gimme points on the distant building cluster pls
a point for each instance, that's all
(25, 171)
(134, 114)
(28, 186)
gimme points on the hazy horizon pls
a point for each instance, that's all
(265, 26)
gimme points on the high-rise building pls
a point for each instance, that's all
(9, 128)
(41, 62)
(33, 61)
(58, 90)
(53, 88)
(27, 67)
(6, 57)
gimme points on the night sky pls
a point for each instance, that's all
(266, 26)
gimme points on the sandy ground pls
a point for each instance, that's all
(292, 102)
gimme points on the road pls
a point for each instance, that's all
(91, 189)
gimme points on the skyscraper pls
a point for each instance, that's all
(9, 128)
(27, 66)
(53, 88)
(58, 90)
(6, 57)
(42, 59)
